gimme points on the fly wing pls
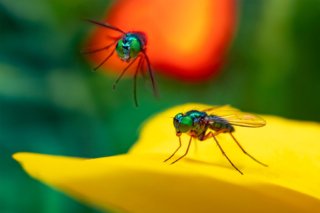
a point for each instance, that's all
(236, 117)
(244, 119)
(219, 108)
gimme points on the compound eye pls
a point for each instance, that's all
(135, 47)
(186, 124)
(176, 120)
(120, 50)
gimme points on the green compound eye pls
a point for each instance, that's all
(185, 124)
(176, 120)
(135, 47)
(120, 50)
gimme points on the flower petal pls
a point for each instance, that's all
(130, 183)
(290, 148)
(202, 182)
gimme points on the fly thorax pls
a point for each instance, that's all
(199, 126)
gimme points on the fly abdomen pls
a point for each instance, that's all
(219, 124)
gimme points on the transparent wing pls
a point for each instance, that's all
(220, 108)
(236, 117)
(244, 119)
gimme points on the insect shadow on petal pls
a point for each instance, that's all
(130, 47)
(211, 122)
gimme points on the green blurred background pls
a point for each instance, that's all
(51, 102)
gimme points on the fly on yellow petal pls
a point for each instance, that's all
(207, 124)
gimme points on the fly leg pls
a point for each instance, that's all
(101, 48)
(106, 25)
(143, 70)
(105, 60)
(122, 73)
(225, 155)
(135, 81)
(185, 152)
(174, 151)
(151, 75)
(211, 134)
(245, 152)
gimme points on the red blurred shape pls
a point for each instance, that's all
(187, 39)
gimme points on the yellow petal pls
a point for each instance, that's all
(204, 181)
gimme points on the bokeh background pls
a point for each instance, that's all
(51, 102)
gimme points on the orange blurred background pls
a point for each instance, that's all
(187, 39)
